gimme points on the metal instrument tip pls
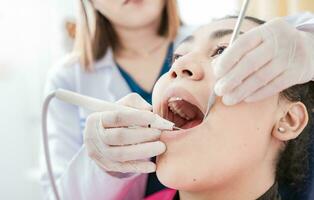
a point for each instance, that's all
(176, 128)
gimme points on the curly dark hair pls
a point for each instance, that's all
(293, 164)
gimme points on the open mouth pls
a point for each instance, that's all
(182, 113)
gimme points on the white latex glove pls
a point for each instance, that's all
(263, 62)
(116, 148)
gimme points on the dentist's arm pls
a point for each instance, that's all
(267, 60)
(79, 177)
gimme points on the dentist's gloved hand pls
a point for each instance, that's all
(263, 62)
(116, 148)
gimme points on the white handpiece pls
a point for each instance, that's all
(94, 105)
(97, 105)
(90, 103)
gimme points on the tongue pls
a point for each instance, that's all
(191, 124)
(189, 109)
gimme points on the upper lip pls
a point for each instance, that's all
(181, 93)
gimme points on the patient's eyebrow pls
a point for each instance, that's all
(221, 33)
(214, 35)
(189, 38)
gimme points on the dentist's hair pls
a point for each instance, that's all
(293, 164)
(95, 33)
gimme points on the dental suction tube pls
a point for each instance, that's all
(46, 145)
(89, 103)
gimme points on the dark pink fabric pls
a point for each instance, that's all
(166, 194)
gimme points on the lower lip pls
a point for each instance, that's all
(168, 136)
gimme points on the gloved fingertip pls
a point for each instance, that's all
(146, 167)
(149, 169)
(161, 146)
(139, 102)
(148, 107)
(218, 88)
(229, 101)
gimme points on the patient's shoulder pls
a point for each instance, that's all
(166, 194)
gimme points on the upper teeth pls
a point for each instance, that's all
(175, 108)
(172, 99)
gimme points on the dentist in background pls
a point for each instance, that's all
(121, 46)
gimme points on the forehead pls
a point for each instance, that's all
(225, 24)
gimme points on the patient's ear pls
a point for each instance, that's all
(291, 122)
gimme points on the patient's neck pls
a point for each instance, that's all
(249, 185)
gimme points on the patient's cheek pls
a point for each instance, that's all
(232, 141)
(158, 90)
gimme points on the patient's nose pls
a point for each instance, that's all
(185, 69)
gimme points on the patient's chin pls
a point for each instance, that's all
(175, 176)
(182, 173)
(165, 172)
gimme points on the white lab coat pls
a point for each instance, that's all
(78, 177)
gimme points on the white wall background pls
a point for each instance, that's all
(31, 40)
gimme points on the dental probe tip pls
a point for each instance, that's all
(235, 33)
(176, 128)
(211, 102)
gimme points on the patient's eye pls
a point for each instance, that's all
(218, 50)
(175, 57)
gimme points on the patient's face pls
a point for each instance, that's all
(232, 142)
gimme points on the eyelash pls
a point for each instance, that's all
(175, 57)
(218, 48)
(216, 52)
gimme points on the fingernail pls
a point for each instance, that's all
(228, 100)
(149, 169)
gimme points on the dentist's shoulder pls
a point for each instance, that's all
(65, 72)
